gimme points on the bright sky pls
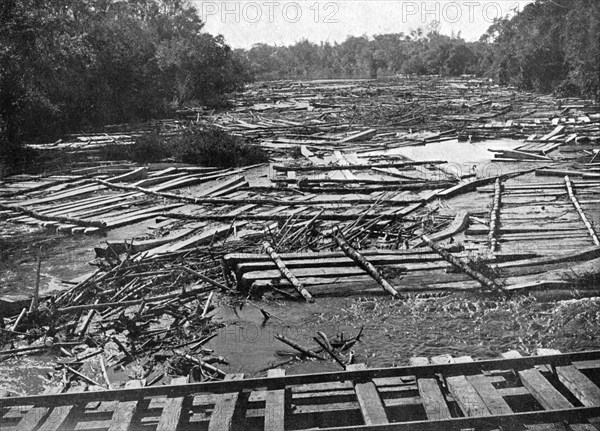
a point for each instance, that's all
(282, 22)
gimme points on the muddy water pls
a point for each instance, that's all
(394, 331)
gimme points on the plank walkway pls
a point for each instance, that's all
(547, 391)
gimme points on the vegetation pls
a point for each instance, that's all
(551, 45)
(67, 65)
(195, 145)
(420, 52)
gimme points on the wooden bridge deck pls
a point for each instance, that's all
(557, 391)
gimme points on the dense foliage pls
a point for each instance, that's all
(205, 146)
(420, 52)
(70, 64)
(551, 45)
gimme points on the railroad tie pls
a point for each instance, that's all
(431, 395)
(171, 414)
(369, 400)
(223, 414)
(275, 405)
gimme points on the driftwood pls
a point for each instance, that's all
(286, 272)
(364, 264)
(205, 278)
(298, 347)
(330, 351)
(160, 298)
(577, 206)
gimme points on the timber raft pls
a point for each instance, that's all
(547, 391)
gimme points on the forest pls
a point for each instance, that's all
(549, 46)
(72, 65)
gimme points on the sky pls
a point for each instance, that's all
(281, 22)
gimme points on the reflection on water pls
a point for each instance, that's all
(457, 152)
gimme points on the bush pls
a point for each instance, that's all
(215, 147)
(195, 145)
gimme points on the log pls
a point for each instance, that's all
(577, 206)
(363, 263)
(298, 347)
(330, 351)
(207, 279)
(287, 273)
(36, 292)
(356, 167)
(136, 174)
(257, 201)
(269, 217)
(476, 275)
(61, 219)
(495, 216)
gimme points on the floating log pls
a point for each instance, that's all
(577, 206)
(61, 219)
(476, 275)
(364, 264)
(495, 216)
(287, 273)
(356, 167)
(135, 175)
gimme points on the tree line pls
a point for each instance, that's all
(68, 65)
(551, 45)
(72, 65)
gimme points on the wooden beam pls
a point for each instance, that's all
(369, 400)
(171, 413)
(431, 395)
(125, 410)
(223, 414)
(275, 405)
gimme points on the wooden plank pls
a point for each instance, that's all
(360, 136)
(224, 411)
(431, 395)
(492, 398)
(371, 405)
(171, 413)
(35, 414)
(465, 395)
(275, 405)
(579, 384)
(123, 414)
(59, 414)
